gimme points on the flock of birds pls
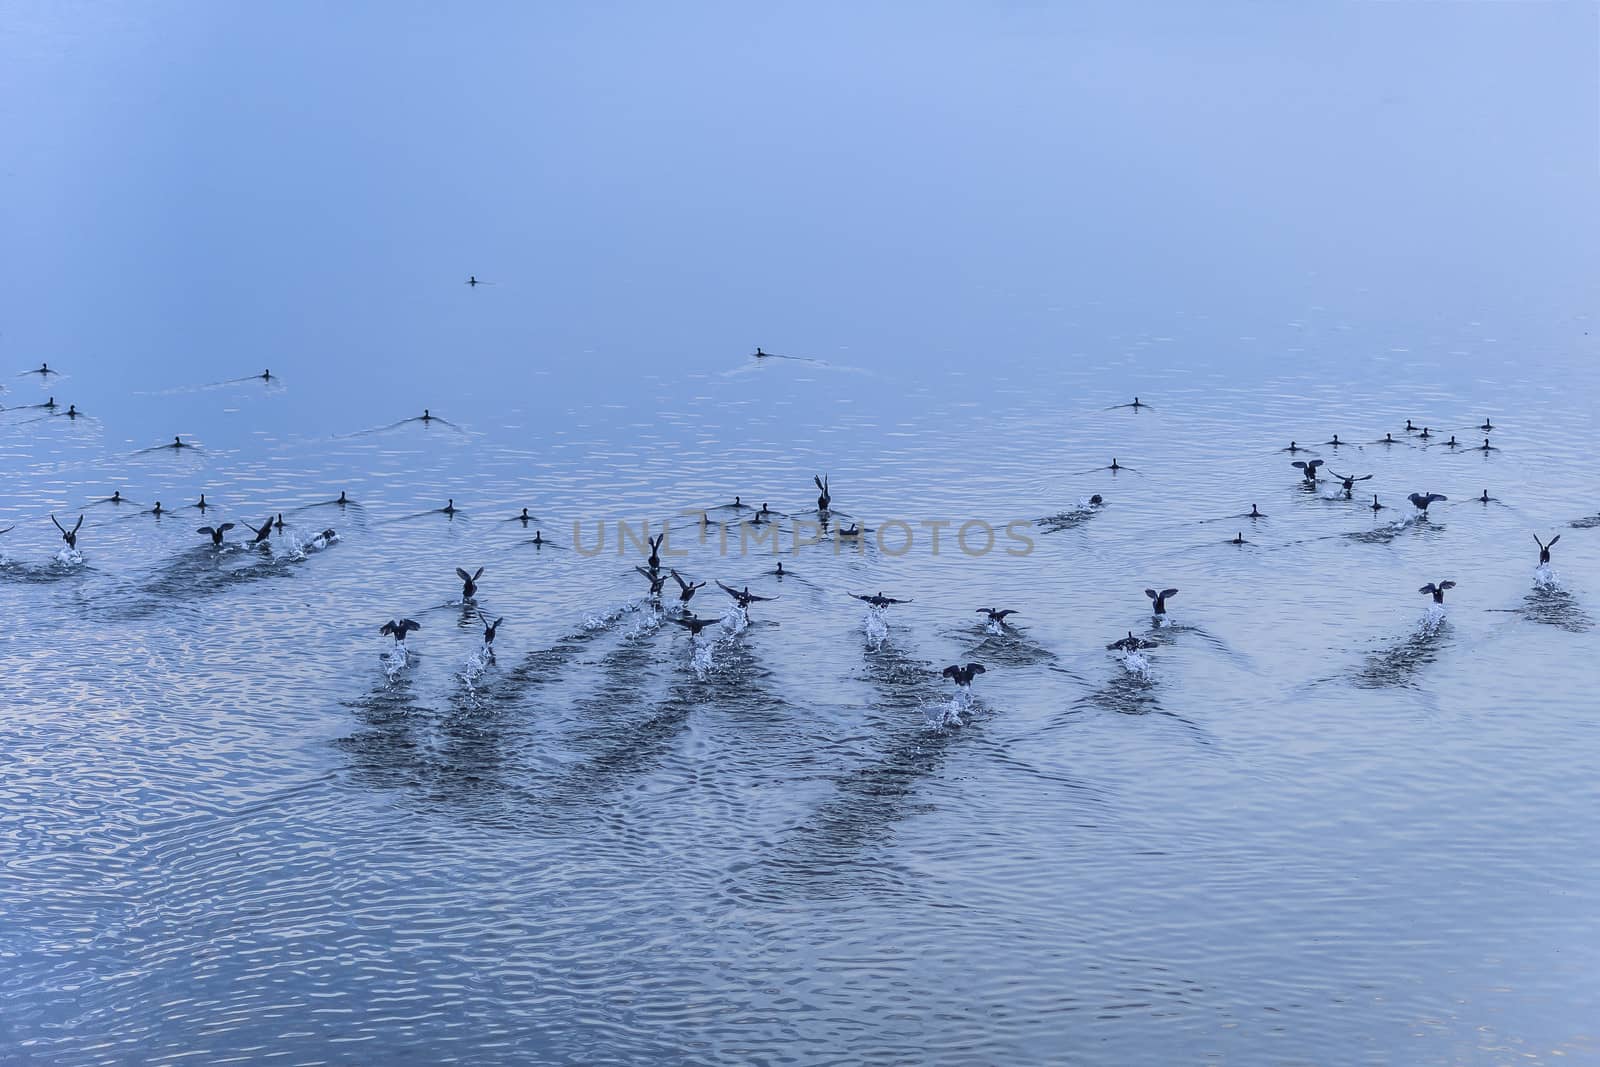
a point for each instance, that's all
(678, 610)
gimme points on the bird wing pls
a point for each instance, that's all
(752, 596)
(1447, 585)
(1437, 496)
(1314, 464)
(1427, 588)
(1169, 592)
(387, 628)
(950, 671)
(409, 624)
(475, 577)
(1003, 614)
(1553, 541)
(60, 527)
(1151, 593)
(78, 525)
(225, 527)
(976, 668)
(731, 592)
(1299, 463)
(463, 575)
(675, 577)
(208, 531)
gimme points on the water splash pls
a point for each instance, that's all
(69, 557)
(736, 621)
(701, 661)
(951, 714)
(1136, 664)
(1432, 621)
(875, 628)
(395, 660)
(1544, 578)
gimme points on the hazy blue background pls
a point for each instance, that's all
(1316, 831)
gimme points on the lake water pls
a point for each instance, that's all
(1319, 821)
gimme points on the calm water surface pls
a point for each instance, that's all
(1318, 822)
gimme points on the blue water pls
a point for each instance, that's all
(1319, 821)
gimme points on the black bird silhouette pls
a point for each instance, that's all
(1336, 443)
(1486, 447)
(1256, 513)
(469, 583)
(878, 600)
(1294, 446)
(266, 375)
(1437, 590)
(743, 597)
(472, 280)
(1375, 506)
(261, 533)
(780, 572)
(489, 628)
(1452, 443)
(398, 628)
(1485, 498)
(538, 539)
(1410, 428)
(201, 504)
(694, 624)
(1426, 433)
(1348, 481)
(1238, 539)
(998, 617)
(215, 532)
(278, 523)
(1544, 547)
(69, 536)
(1386, 439)
(449, 507)
(760, 354)
(1160, 599)
(824, 499)
(685, 589)
(1422, 500)
(524, 518)
(1308, 471)
(656, 578)
(655, 551)
(1129, 644)
(157, 510)
(1487, 424)
(963, 676)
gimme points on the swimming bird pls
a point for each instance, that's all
(1452, 443)
(469, 583)
(449, 507)
(1487, 424)
(1375, 506)
(963, 676)
(1347, 481)
(1308, 471)
(215, 533)
(1159, 600)
(472, 280)
(427, 416)
(760, 354)
(1410, 428)
(878, 600)
(693, 623)
(1136, 405)
(343, 501)
(44, 371)
(1256, 513)
(738, 505)
(1115, 466)
(1486, 447)
(260, 533)
(398, 628)
(1437, 590)
(996, 617)
(1485, 498)
(824, 499)
(1129, 644)
(524, 518)
(72, 411)
(780, 572)
(49, 405)
(850, 533)
(685, 589)
(1544, 548)
(115, 497)
(201, 504)
(266, 375)
(177, 442)
(69, 536)
(1239, 539)
(1336, 443)
(1096, 500)
(1294, 447)
(489, 629)
(156, 511)
(744, 597)
(656, 578)
(1426, 433)
(278, 523)
(1387, 439)
(538, 540)
(1422, 500)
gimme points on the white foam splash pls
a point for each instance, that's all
(995, 628)
(736, 620)
(702, 662)
(69, 557)
(1135, 663)
(874, 626)
(395, 660)
(953, 713)
(1545, 578)
(1432, 620)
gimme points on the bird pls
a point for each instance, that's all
(1426, 433)
(655, 551)
(694, 624)
(1159, 604)
(1486, 447)
(1452, 443)
(262, 532)
(177, 442)
(878, 600)
(1422, 500)
(1375, 506)
(851, 532)
(760, 354)
(1238, 539)
(825, 498)
(469, 583)
(398, 628)
(998, 617)
(1348, 481)
(69, 536)
(215, 533)
(157, 510)
(1386, 439)
(524, 518)
(201, 504)
(449, 507)
(278, 523)
(1487, 424)
(1545, 547)
(343, 501)
(685, 589)
(472, 280)
(780, 572)
(489, 629)
(1410, 428)
(963, 676)
(1130, 644)
(656, 578)
(538, 540)
(1485, 498)
(1256, 513)
(743, 597)
(1336, 443)
(1308, 471)
(1437, 590)
(266, 375)
(1294, 446)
